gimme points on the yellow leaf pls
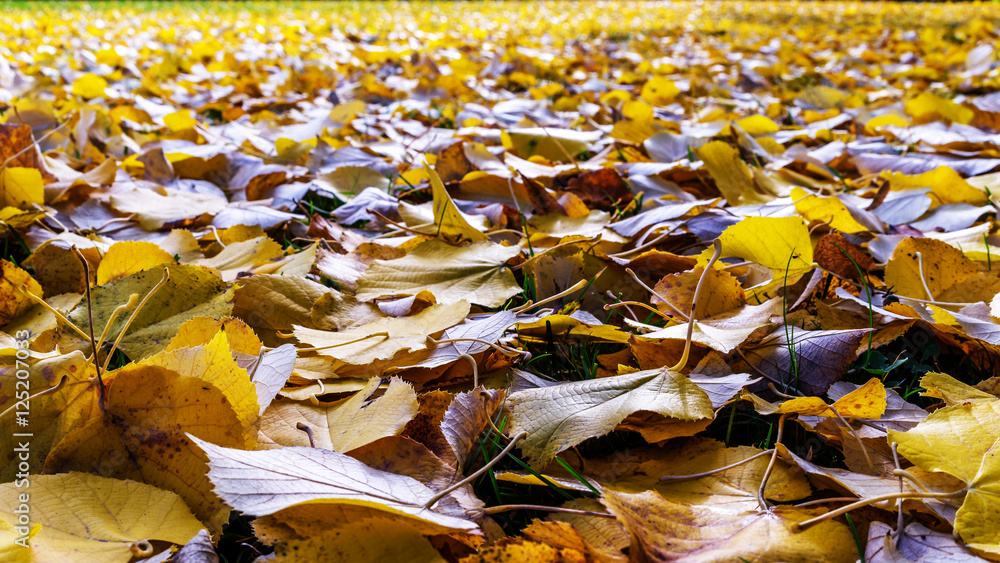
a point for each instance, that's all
(939, 265)
(756, 125)
(345, 425)
(202, 330)
(289, 149)
(130, 257)
(927, 107)
(825, 210)
(21, 187)
(214, 363)
(961, 441)
(524, 551)
(474, 273)
(89, 86)
(659, 91)
(191, 291)
(346, 112)
(805, 406)
(637, 110)
(180, 120)
(18, 219)
(563, 326)
(666, 531)
(84, 518)
(867, 401)
(952, 391)
(633, 130)
(141, 436)
(13, 302)
(242, 256)
(780, 244)
(361, 542)
(732, 176)
(53, 414)
(943, 181)
(894, 119)
(720, 292)
(551, 143)
(383, 338)
(450, 223)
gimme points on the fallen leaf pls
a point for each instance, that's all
(561, 416)
(704, 534)
(959, 441)
(345, 425)
(475, 273)
(130, 257)
(263, 482)
(81, 517)
(370, 540)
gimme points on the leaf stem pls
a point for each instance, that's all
(923, 280)
(666, 301)
(873, 500)
(39, 301)
(714, 471)
(102, 392)
(355, 341)
(513, 442)
(54, 388)
(694, 303)
(857, 437)
(572, 289)
(135, 313)
(770, 465)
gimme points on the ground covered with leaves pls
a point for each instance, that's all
(499, 282)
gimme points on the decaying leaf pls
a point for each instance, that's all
(656, 525)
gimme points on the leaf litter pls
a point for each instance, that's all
(484, 282)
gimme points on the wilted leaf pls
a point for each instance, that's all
(141, 436)
(369, 540)
(83, 518)
(12, 281)
(474, 273)
(345, 425)
(383, 338)
(264, 482)
(561, 416)
(666, 531)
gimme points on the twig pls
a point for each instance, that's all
(58, 314)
